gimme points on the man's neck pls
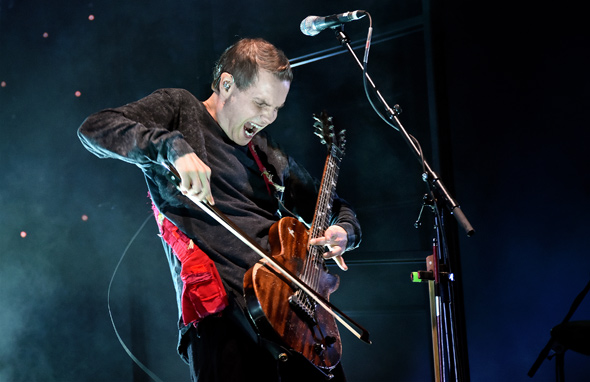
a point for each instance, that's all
(211, 105)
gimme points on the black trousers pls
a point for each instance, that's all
(222, 349)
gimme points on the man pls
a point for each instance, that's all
(221, 153)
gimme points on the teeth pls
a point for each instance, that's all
(250, 129)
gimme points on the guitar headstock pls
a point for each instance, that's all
(331, 137)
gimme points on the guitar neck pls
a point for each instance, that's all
(326, 194)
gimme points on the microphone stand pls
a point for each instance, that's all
(449, 349)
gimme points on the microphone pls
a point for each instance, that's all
(313, 25)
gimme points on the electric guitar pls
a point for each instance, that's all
(280, 310)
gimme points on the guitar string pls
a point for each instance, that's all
(317, 225)
(321, 221)
(316, 261)
(308, 274)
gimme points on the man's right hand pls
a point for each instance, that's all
(194, 177)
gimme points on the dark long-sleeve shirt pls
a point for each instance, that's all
(171, 123)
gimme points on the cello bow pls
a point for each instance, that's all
(356, 329)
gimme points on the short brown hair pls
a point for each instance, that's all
(244, 58)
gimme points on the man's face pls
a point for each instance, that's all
(248, 111)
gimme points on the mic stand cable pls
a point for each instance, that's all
(450, 355)
(393, 114)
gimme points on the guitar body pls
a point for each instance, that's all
(273, 302)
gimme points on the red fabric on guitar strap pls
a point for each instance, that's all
(261, 167)
(203, 293)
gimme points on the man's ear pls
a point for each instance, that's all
(226, 82)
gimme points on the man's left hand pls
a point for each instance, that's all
(335, 239)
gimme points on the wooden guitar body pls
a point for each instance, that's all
(283, 315)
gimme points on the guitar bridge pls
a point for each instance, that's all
(303, 307)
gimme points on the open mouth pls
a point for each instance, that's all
(250, 129)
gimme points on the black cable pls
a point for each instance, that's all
(137, 362)
(372, 103)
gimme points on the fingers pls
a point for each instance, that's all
(335, 239)
(334, 236)
(195, 184)
(340, 262)
(335, 253)
(195, 178)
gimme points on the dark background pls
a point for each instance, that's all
(496, 93)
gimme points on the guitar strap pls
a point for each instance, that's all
(279, 190)
(265, 174)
